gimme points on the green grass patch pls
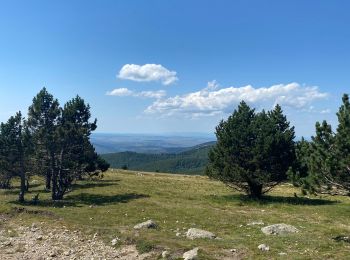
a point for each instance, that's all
(112, 206)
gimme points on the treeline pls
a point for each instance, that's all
(257, 151)
(192, 161)
(53, 142)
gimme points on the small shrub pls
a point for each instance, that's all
(144, 246)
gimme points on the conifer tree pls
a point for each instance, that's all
(253, 150)
(329, 160)
(43, 117)
(16, 150)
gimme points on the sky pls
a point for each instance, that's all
(177, 66)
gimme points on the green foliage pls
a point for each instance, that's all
(192, 161)
(15, 151)
(144, 246)
(53, 142)
(328, 158)
(253, 150)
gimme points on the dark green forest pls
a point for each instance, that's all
(191, 161)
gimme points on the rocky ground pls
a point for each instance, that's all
(35, 242)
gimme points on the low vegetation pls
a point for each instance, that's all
(112, 206)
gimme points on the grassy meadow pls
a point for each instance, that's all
(113, 205)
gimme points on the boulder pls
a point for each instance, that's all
(194, 233)
(191, 255)
(279, 229)
(147, 224)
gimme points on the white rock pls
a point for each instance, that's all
(115, 241)
(147, 224)
(263, 247)
(194, 233)
(191, 255)
(165, 254)
(279, 229)
(178, 234)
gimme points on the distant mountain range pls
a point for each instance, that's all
(188, 160)
(146, 143)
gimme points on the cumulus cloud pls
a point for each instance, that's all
(212, 100)
(147, 72)
(123, 92)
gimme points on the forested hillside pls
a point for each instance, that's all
(191, 161)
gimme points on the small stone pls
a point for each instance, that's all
(147, 224)
(115, 241)
(7, 243)
(263, 247)
(165, 254)
(178, 234)
(279, 229)
(39, 238)
(233, 250)
(191, 255)
(282, 253)
(194, 233)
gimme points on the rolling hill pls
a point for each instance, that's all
(147, 143)
(189, 161)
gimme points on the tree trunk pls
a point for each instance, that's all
(48, 180)
(53, 177)
(21, 165)
(27, 184)
(23, 183)
(255, 190)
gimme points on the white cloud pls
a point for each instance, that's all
(151, 94)
(212, 101)
(325, 111)
(147, 72)
(120, 92)
(123, 92)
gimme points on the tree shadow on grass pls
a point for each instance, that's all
(15, 189)
(268, 199)
(83, 198)
(94, 184)
(99, 200)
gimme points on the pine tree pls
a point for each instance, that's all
(253, 150)
(328, 162)
(342, 142)
(43, 117)
(74, 148)
(16, 149)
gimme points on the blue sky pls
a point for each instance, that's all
(177, 66)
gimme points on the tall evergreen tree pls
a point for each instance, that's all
(253, 150)
(43, 117)
(328, 158)
(16, 149)
(73, 142)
